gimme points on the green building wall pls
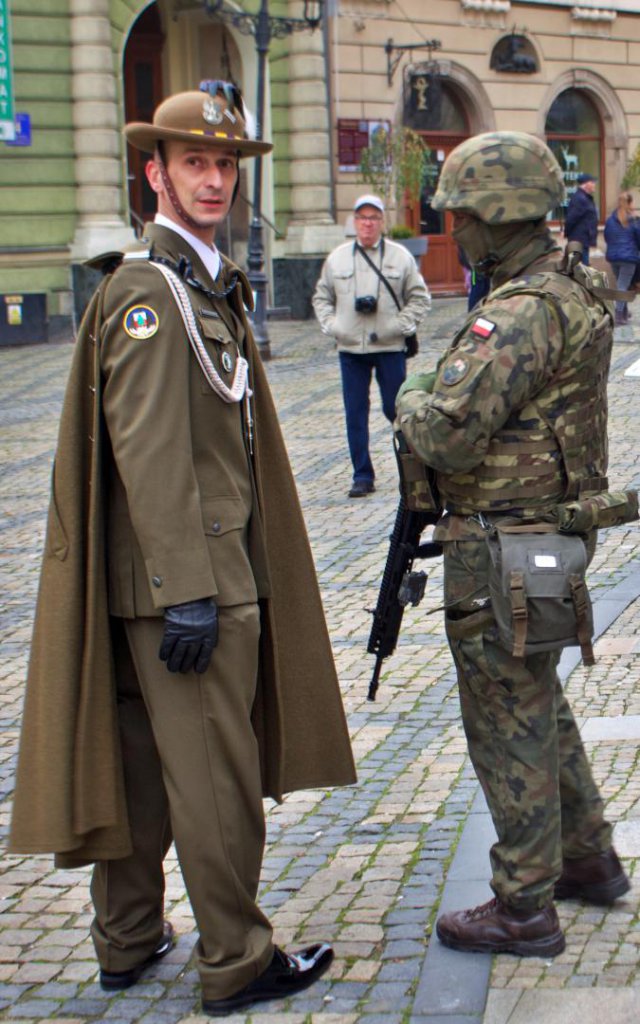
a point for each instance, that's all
(37, 207)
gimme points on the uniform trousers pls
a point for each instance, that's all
(390, 369)
(192, 774)
(523, 742)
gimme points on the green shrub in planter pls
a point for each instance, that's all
(400, 231)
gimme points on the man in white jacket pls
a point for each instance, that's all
(371, 327)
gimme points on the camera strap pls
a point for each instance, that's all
(378, 271)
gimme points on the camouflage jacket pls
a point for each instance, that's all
(517, 418)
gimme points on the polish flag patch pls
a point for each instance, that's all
(482, 327)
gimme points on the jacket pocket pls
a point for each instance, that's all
(221, 347)
(343, 282)
(220, 515)
(225, 520)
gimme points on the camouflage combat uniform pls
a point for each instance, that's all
(513, 422)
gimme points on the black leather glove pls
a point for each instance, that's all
(190, 634)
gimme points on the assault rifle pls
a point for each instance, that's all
(401, 586)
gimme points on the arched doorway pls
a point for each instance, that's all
(143, 92)
(164, 54)
(435, 108)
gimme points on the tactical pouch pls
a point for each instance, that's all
(417, 480)
(611, 508)
(538, 591)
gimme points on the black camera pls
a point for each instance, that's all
(366, 304)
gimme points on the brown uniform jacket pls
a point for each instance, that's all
(69, 793)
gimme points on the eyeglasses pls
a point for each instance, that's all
(368, 220)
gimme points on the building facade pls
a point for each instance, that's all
(568, 72)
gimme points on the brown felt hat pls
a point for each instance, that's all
(213, 116)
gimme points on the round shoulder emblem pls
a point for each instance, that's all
(227, 362)
(455, 371)
(141, 322)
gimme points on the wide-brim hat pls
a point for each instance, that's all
(210, 118)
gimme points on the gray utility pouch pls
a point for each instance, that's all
(538, 591)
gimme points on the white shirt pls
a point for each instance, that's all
(207, 253)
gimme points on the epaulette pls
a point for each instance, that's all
(107, 262)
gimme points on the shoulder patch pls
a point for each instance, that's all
(482, 327)
(455, 371)
(141, 322)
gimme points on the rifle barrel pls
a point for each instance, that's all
(373, 685)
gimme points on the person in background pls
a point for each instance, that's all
(166, 695)
(371, 328)
(622, 237)
(477, 284)
(581, 221)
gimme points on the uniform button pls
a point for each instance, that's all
(157, 581)
(216, 527)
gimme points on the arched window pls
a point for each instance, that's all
(574, 133)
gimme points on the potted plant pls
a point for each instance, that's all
(631, 177)
(394, 165)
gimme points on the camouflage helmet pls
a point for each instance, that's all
(501, 177)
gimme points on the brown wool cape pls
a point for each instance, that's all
(69, 797)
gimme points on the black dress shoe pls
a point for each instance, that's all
(115, 981)
(287, 974)
(360, 488)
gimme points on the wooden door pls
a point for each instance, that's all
(440, 265)
(142, 94)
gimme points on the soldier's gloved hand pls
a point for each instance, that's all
(190, 634)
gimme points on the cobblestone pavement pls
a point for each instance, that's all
(364, 867)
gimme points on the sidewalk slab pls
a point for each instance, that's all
(579, 1006)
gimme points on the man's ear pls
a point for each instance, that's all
(154, 177)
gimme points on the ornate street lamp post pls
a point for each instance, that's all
(263, 27)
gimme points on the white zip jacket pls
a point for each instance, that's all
(346, 274)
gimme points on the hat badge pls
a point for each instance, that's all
(212, 110)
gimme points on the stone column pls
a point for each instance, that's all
(309, 146)
(97, 144)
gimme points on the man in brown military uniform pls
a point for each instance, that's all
(514, 421)
(208, 578)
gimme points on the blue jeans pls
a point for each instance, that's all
(391, 370)
(625, 273)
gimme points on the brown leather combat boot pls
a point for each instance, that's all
(496, 928)
(599, 878)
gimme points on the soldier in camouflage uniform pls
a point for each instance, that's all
(514, 422)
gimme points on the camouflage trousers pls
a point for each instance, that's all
(523, 742)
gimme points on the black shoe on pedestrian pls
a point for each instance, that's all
(599, 878)
(116, 981)
(287, 974)
(360, 488)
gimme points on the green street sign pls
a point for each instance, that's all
(7, 121)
